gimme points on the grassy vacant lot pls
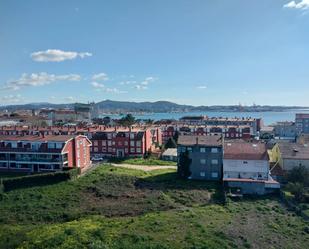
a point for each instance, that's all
(144, 161)
(122, 208)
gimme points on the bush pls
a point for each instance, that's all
(39, 179)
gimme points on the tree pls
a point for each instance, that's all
(176, 135)
(299, 174)
(170, 143)
(297, 189)
(128, 120)
(184, 165)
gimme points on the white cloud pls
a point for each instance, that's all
(11, 99)
(97, 85)
(39, 79)
(128, 82)
(69, 99)
(201, 87)
(140, 87)
(303, 5)
(144, 84)
(100, 77)
(56, 55)
(113, 90)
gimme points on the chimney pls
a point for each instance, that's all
(196, 140)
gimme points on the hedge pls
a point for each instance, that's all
(38, 179)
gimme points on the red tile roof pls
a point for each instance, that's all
(53, 138)
(241, 150)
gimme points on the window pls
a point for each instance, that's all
(202, 174)
(214, 150)
(95, 149)
(109, 136)
(126, 143)
(132, 135)
(189, 149)
(203, 161)
(14, 144)
(138, 150)
(132, 150)
(95, 143)
(214, 161)
(58, 145)
(132, 143)
(202, 150)
(109, 143)
(245, 162)
(214, 174)
(138, 143)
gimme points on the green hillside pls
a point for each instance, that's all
(122, 208)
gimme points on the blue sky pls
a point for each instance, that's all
(200, 52)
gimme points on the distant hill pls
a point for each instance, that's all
(158, 106)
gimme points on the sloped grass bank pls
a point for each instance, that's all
(123, 208)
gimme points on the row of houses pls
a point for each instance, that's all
(227, 131)
(238, 163)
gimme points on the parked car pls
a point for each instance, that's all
(97, 158)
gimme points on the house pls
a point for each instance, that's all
(170, 155)
(206, 153)
(124, 142)
(246, 167)
(302, 123)
(290, 155)
(44, 153)
(285, 130)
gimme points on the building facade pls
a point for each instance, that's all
(44, 153)
(246, 166)
(302, 123)
(290, 155)
(206, 153)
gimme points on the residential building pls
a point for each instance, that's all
(233, 132)
(246, 167)
(44, 153)
(170, 155)
(206, 153)
(290, 155)
(255, 124)
(285, 130)
(302, 123)
(124, 142)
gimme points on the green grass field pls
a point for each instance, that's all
(122, 208)
(144, 161)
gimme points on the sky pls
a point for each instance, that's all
(197, 52)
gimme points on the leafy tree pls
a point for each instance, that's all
(299, 174)
(184, 165)
(297, 189)
(176, 135)
(170, 143)
(128, 120)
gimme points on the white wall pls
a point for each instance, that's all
(245, 168)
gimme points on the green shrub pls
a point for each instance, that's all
(39, 179)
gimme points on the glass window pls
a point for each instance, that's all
(203, 161)
(214, 161)
(214, 150)
(132, 143)
(138, 143)
(214, 175)
(202, 174)
(202, 150)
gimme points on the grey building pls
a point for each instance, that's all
(302, 123)
(206, 153)
(285, 130)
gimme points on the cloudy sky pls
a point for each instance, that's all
(199, 52)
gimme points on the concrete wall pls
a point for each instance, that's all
(245, 168)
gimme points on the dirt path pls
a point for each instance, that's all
(143, 167)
